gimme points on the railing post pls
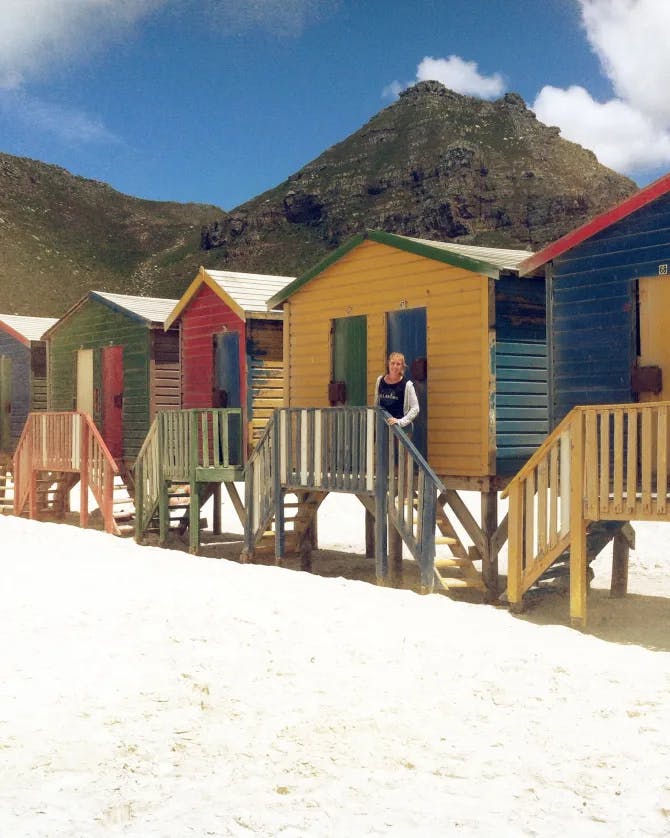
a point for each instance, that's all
(139, 498)
(108, 496)
(428, 539)
(515, 545)
(161, 483)
(278, 451)
(578, 564)
(83, 468)
(381, 496)
(194, 505)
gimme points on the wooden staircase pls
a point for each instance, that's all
(6, 491)
(56, 451)
(601, 468)
(307, 453)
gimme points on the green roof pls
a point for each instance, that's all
(489, 261)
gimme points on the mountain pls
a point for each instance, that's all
(434, 164)
(62, 235)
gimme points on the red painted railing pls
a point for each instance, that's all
(65, 442)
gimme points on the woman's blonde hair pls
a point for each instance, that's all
(399, 355)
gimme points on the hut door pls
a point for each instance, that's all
(5, 402)
(112, 399)
(226, 384)
(350, 359)
(406, 333)
(85, 380)
(654, 329)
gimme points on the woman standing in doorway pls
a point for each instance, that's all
(396, 394)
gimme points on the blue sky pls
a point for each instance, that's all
(217, 100)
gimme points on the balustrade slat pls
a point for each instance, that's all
(542, 488)
(604, 481)
(662, 461)
(631, 461)
(529, 518)
(591, 452)
(617, 483)
(647, 460)
(553, 494)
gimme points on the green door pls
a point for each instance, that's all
(5, 403)
(350, 358)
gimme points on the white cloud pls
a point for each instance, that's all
(460, 76)
(622, 137)
(35, 34)
(630, 132)
(455, 73)
(67, 124)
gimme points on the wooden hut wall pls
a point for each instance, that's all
(93, 326)
(205, 316)
(19, 389)
(165, 370)
(522, 400)
(592, 307)
(371, 280)
(265, 372)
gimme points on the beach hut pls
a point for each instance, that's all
(231, 345)
(609, 316)
(605, 462)
(110, 357)
(23, 374)
(473, 334)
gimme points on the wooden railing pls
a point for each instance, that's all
(185, 446)
(602, 463)
(413, 489)
(66, 442)
(344, 449)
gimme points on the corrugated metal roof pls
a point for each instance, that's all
(249, 291)
(31, 328)
(151, 309)
(503, 258)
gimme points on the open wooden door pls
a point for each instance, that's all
(654, 316)
(406, 333)
(84, 398)
(112, 399)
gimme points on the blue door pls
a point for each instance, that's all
(406, 333)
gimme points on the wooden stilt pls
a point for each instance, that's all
(216, 517)
(369, 535)
(489, 507)
(394, 556)
(194, 520)
(620, 553)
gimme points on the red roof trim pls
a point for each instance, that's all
(600, 222)
(14, 334)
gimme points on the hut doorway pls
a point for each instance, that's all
(85, 401)
(112, 399)
(5, 402)
(406, 333)
(350, 358)
(226, 383)
(654, 314)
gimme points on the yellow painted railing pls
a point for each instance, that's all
(602, 463)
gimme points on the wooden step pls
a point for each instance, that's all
(443, 564)
(445, 539)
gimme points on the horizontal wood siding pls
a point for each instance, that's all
(19, 354)
(371, 280)
(93, 326)
(265, 352)
(205, 316)
(166, 370)
(592, 307)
